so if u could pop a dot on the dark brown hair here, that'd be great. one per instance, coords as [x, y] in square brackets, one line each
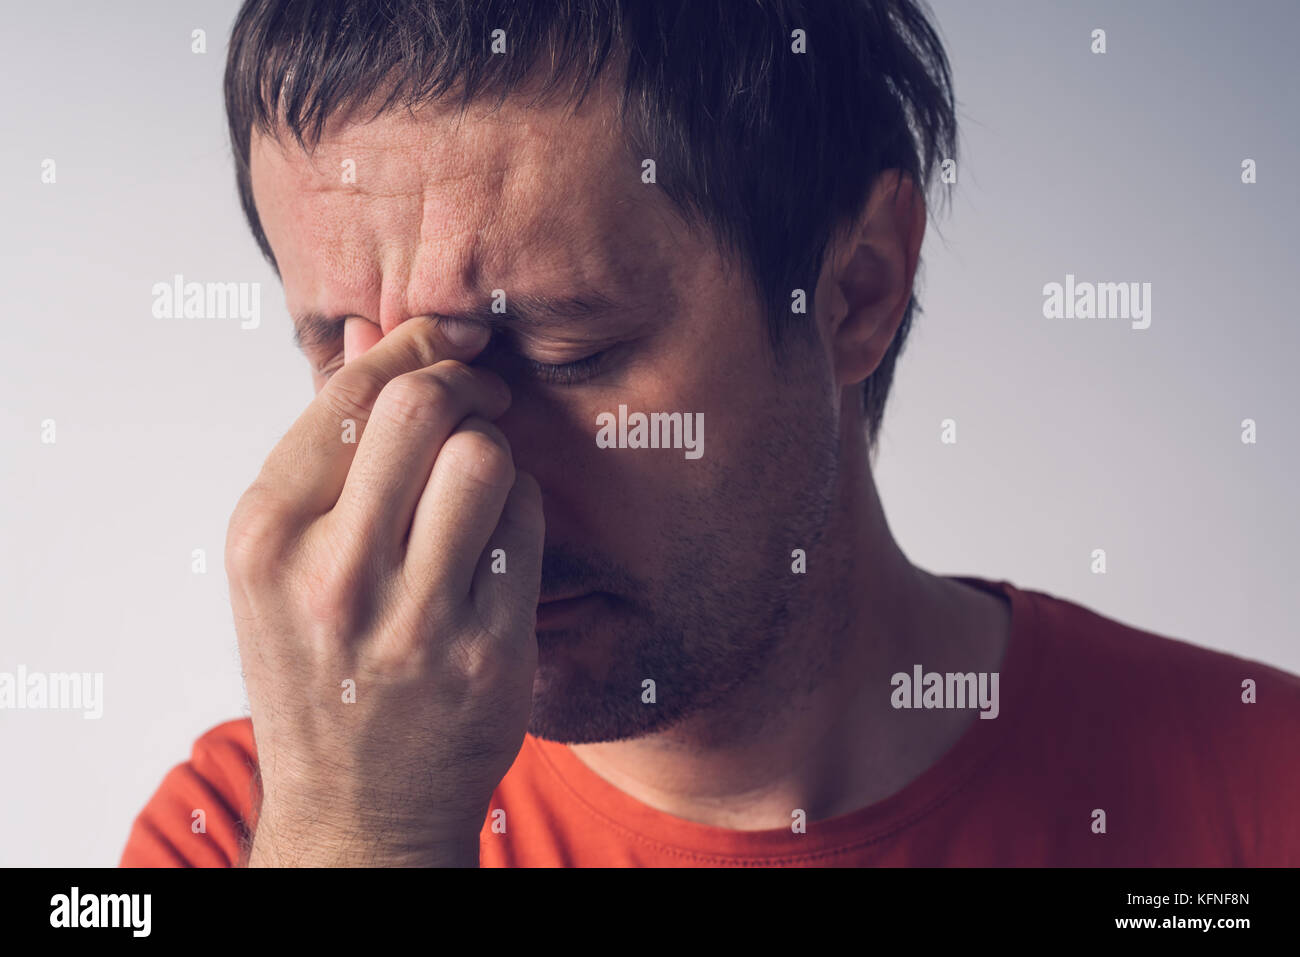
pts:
[773, 150]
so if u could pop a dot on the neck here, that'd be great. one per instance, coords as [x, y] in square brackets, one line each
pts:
[816, 729]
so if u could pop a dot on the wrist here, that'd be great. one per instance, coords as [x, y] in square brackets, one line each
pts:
[279, 842]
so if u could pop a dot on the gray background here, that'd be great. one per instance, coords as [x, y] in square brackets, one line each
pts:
[1073, 435]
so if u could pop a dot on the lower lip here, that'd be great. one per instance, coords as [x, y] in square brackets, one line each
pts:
[557, 614]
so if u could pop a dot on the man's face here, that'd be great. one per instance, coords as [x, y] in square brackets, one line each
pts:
[687, 561]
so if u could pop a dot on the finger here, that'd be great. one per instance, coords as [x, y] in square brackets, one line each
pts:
[458, 510]
[414, 415]
[309, 465]
[508, 581]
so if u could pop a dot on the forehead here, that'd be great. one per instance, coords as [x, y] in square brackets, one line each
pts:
[431, 210]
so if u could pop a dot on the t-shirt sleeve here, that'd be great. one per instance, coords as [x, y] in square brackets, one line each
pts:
[219, 781]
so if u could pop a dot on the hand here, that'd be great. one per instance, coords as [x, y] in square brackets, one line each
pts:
[372, 563]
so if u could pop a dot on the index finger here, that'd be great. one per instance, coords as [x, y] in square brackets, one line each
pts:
[307, 468]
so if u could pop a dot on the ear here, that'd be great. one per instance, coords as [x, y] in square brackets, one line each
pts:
[867, 278]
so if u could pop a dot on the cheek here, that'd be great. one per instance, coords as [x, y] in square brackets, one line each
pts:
[358, 337]
[553, 437]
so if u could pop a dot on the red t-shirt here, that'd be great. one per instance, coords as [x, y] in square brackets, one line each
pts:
[1094, 715]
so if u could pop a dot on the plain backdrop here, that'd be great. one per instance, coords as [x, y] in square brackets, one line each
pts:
[1072, 435]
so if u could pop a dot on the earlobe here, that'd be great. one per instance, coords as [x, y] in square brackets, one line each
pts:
[872, 275]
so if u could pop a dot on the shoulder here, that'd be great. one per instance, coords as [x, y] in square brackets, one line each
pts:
[228, 745]
[1186, 739]
[198, 815]
[225, 757]
[1158, 674]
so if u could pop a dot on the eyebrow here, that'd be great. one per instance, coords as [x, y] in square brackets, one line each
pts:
[313, 328]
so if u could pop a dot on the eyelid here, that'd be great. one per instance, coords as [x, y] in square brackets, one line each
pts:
[570, 373]
[333, 357]
[333, 342]
[332, 365]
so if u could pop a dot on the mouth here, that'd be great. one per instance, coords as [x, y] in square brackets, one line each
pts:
[568, 596]
[561, 610]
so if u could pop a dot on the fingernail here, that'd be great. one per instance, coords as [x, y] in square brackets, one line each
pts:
[466, 335]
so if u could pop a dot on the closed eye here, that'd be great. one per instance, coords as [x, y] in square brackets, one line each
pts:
[505, 352]
[561, 373]
[567, 373]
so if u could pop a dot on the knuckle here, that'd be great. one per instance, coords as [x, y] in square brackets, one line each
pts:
[477, 663]
[415, 337]
[412, 639]
[484, 385]
[427, 594]
[256, 534]
[481, 457]
[452, 371]
[351, 393]
[413, 398]
[332, 591]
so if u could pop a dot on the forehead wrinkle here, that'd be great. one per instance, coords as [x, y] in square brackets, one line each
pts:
[393, 156]
[447, 262]
[560, 246]
[491, 215]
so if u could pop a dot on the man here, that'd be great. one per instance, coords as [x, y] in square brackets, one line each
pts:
[576, 557]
